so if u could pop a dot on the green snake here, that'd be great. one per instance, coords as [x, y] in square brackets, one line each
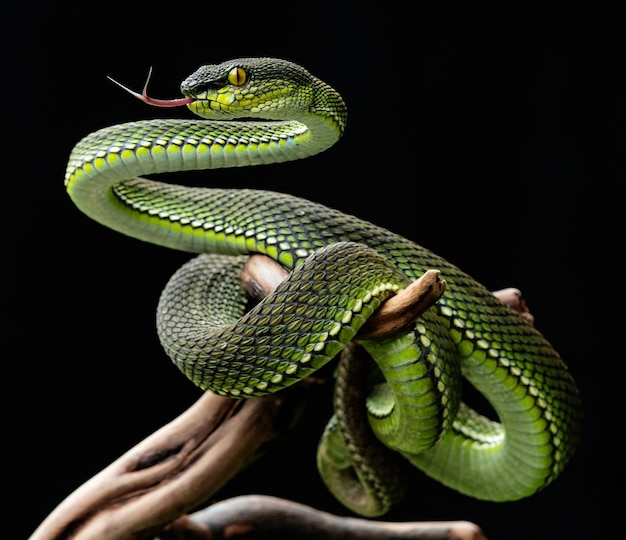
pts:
[257, 111]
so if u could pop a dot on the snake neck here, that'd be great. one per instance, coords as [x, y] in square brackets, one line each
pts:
[329, 107]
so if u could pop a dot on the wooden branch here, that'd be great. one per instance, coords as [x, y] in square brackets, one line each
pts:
[174, 470]
[186, 462]
[261, 275]
[513, 298]
[262, 517]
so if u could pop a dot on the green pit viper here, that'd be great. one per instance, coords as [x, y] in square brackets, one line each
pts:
[257, 111]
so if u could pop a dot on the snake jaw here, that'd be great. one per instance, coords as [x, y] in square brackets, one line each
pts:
[176, 102]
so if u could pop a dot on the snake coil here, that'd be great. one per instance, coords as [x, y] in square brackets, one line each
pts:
[261, 111]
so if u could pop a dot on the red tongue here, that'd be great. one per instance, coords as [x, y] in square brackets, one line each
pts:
[178, 102]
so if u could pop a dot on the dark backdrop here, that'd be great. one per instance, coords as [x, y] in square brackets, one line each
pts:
[499, 160]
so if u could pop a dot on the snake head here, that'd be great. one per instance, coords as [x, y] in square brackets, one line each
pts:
[249, 87]
[262, 88]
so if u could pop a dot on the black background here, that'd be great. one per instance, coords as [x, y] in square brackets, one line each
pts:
[504, 159]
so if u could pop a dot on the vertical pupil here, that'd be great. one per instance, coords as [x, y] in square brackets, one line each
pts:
[237, 76]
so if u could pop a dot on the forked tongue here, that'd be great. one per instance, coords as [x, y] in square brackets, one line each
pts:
[177, 102]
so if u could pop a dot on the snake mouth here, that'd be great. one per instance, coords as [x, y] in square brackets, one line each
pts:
[155, 102]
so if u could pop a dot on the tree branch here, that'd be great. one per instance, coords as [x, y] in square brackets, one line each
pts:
[263, 517]
[187, 461]
[175, 469]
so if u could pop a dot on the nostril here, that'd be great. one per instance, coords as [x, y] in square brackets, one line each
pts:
[203, 79]
[189, 85]
[194, 87]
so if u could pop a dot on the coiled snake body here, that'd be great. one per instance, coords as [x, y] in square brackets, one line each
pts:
[261, 111]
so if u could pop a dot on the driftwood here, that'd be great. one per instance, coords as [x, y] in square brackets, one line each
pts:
[149, 491]
[258, 516]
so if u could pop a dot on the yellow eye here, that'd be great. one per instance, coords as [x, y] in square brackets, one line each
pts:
[237, 76]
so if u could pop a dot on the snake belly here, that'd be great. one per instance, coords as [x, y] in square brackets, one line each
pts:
[256, 111]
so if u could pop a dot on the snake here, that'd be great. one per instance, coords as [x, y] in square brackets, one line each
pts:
[408, 387]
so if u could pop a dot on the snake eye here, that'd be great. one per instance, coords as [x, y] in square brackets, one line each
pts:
[237, 76]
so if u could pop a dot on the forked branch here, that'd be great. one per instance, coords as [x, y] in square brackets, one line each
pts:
[149, 491]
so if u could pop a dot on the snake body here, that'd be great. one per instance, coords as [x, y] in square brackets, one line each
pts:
[261, 111]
